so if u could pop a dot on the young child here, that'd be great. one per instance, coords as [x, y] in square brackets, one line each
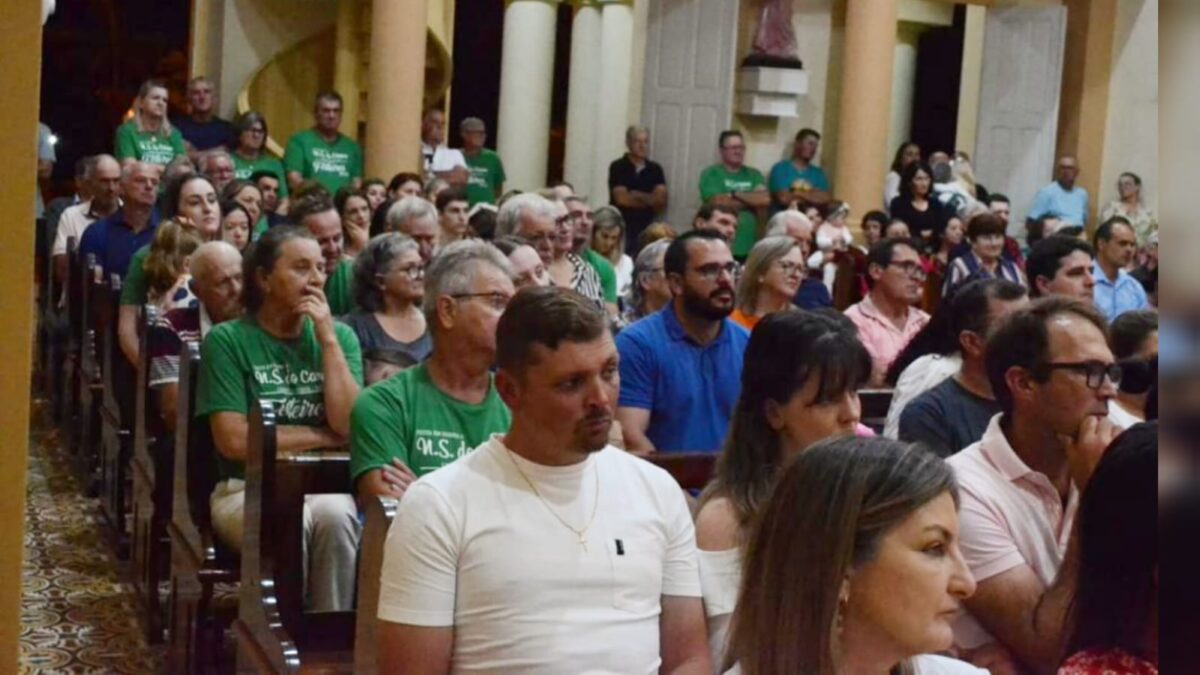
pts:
[833, 237]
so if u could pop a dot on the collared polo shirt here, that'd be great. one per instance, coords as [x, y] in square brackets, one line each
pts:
[1114, 299]
[883, 340]
[1010, 515]
[689, 389]
[114, 243]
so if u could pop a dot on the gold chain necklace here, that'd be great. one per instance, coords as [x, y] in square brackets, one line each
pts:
[581, 534]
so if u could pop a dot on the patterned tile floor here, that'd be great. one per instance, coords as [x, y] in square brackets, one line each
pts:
[78, 613]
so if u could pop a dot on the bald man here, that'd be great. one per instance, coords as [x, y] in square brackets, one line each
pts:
[216, 269]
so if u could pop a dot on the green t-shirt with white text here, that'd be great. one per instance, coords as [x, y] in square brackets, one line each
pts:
[715, 180]
[244, 168]
[487, 177]
[407, 417]
[240, 364]
[334, 165]
[147, 146]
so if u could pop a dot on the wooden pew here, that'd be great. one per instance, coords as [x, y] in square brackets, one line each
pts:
[198, 563]
[116, 419]
[378, 518]
[65, 400]
[151, 471]
[50, 338]
[274, 633]
[85, 430]
[875, 404]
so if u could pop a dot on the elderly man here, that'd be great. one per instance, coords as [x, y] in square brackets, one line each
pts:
[317, 214]
[417, 218]
[581, 245]
[103, 181]
[431, 414]
[886, 319]
[113, 240]
[441, 161]
[216, 270]
[1062, 198]
[532, 218]
[486, 182]
[732, 184]
[322, 153]
[201, 129]
[637, 186]
[217, 165]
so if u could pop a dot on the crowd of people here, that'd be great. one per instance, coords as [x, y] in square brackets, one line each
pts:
[501, 362]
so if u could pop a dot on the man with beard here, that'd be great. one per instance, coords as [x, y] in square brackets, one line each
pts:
[681, 367]
[886, 318]
[545, 550]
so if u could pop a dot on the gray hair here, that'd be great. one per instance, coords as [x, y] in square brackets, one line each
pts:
[453, 270]
[210, 155]
[508, 220]
[410, 208]
[181, 165]
[777, 226]
[472, 123]
[375, 260]
[647, 259]
[208, 254]
[634, 130]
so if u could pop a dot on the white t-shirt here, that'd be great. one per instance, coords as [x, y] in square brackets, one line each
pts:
[441, 158]
[72, 223]
[925, 664]
[474, 548]
[1120, 417]
[919, 377]
[720, 580]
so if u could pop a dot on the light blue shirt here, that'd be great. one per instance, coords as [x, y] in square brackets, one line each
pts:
[1114, 299]
[1069, 206]
[784, 175]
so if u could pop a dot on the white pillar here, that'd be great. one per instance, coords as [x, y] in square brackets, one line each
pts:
[526, 80]
[581, 163]
[616, 67]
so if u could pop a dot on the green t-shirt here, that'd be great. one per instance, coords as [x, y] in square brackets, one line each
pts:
[715, 180]
[150, 147]
[487, 177]
[407, 417]
[604, 270]
[334, 165]
[240, 363]
[244, 168]
[339, 288]
[133, 288]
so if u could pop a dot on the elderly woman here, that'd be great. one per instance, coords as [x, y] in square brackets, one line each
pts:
[1131, 206]
[769, 281]
[986, 260]
[389, 282]
[649, 291]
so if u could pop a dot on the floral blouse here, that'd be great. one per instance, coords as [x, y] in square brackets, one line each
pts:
[1143, 219]
[1106, 662]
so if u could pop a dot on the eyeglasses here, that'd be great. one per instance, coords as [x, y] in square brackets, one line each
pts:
[734, 147]
[497, 301]
[912, 269]
[411, 271]
[564, 219]
[1095, 371]
[789, 268]
[712, 271]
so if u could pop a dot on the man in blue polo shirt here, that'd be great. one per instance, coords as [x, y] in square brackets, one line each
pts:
[1116, 291]
[114, 239]
[681, 367]
[1062, 198]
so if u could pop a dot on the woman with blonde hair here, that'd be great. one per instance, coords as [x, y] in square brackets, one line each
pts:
[608, 239]
[166, 266]
[770, 279]
[148, 136]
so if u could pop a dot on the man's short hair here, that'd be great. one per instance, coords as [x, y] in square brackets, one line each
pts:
[453, 194]
[706, 212]
[675, 260]
[1023, 340]
[199, 79]
[508, 219]
[328, 95]
[1130, 330]
[1105, 231]
[310, 205]
[429, 111]
[471, 124]
[970, 302]
[778, 224]
[996, 197]
[633, 130]
[1045, 258]
[208, 156]
[453, 270]
[408, 209]
[884, 250]
[805, 133]
[263, 173]
[728, 133]
[546, 316]
[985, 224]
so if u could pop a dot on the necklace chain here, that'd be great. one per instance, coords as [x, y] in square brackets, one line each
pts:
[580, 533]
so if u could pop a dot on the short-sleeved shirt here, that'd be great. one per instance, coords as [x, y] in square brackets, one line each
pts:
[134, 291]
[241, 363]
[474, 547]
[947, 418]
[167, 335]
[334, 165]
[211, 134]
[372, 337]
[244, 168]
[151, 147]
[407, 417]
[339, 288]
[785, 177]
[689, 389]
[716, 180]
[1010, 515]
[883, 340]
[812, 294]
[73, 222]
[1069, 206]
[441, 158]
[624, 173]
[113, 243]
[487, 176]
[604, 270]
[1114, 299]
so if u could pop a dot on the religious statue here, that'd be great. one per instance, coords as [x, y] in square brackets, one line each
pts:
[775, 39]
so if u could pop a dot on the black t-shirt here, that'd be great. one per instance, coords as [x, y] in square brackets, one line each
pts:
[931, 220]
[622, 173]
[208, 135]
[946, 418]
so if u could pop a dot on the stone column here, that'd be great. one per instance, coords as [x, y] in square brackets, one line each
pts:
[616, 65]
[345, 62]
[526, 80]
[583, 96]
[396, 87]
[862, 153]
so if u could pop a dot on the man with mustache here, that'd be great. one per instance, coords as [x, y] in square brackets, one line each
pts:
[886, 318]
[545, 550]
[681, 367]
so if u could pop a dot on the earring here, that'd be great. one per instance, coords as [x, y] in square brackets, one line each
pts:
[839, 619]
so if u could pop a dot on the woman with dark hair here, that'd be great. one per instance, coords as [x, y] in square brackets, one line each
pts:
[907, 154]
[235, 225]
[800, 381]
[379, 223]
[1112, 623]
[286, 349]
[375, 190]
[405, 184]
[250, 152]
[917, 207]
[986, 258]
[250, 197]
[874, 223]
[355, 210]
[854, 566]
[389, 283]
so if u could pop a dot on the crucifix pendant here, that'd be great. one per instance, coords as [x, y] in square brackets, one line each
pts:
[583, 541]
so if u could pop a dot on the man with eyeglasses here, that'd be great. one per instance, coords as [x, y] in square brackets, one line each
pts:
[681, 367]
[1053, 375]
[431, 414]
[732, 184]
[887, 319]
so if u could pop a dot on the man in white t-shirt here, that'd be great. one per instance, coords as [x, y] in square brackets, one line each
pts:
[104, 185]
[545, 550]
[439, 160]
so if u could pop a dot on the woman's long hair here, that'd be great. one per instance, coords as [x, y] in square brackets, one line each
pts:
[832, 506]
[786, 349]
[164, 128]
[764, 254]
[910, 174]
[898, 159]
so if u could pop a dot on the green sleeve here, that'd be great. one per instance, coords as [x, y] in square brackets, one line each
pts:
[608, 279]
[758, 179]
[293, 156]
[378, 429]
[711, 183]
[177, 142]
[356, 171]
[277, 167]
[500, 175]
[222, 386]
[133, 290]
[351, 349]
[125, 145]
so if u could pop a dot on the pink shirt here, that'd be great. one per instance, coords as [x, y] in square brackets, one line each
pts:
[883, 340]
[1010, 515]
